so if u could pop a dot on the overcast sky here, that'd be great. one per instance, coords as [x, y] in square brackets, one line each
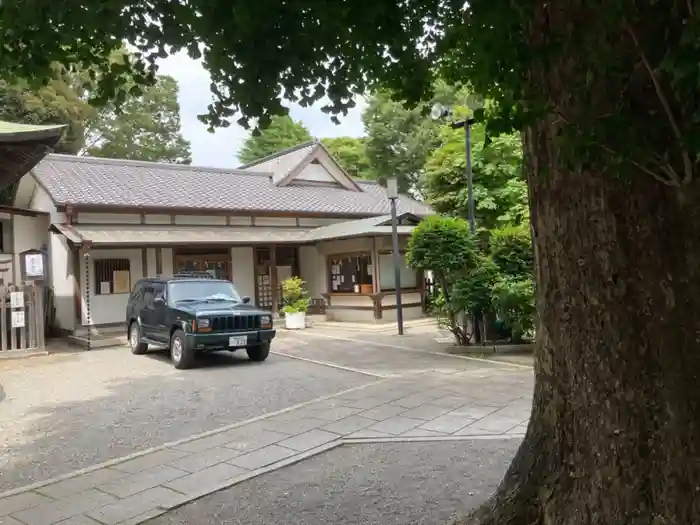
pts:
[219, 149]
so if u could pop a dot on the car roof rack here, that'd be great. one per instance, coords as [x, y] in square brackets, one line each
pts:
[193, 275]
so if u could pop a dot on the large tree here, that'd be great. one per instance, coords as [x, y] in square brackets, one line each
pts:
[400, 138]
[351, 154]
[281, 133]
[500, 190]
[57, 102]
[606, 96]
[145, 127]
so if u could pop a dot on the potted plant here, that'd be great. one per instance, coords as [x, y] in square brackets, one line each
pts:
[295, 301]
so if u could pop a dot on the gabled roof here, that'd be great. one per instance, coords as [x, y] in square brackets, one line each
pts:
[98, 182]
[287, 164]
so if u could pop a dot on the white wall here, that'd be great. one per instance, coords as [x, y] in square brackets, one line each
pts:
[243, 270]
[29, 233]
[289, 222]
[316, 173]
[105, 309]
[157, 219]
[63, 281]
[211, 220]
[166, 258]
[345, 246]
[151, 267]
[108, 218]
[313, 270]
[42, 202]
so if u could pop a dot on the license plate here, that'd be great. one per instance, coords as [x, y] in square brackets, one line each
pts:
[237, 341]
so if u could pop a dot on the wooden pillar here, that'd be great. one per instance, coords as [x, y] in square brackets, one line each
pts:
[273, 279]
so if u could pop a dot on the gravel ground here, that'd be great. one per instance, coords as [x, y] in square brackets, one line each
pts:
[398, 483]
[68, 411]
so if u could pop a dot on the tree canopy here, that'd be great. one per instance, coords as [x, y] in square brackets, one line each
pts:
[500, 191]
[58, 102]
[400, 138]
[282, 133]
[351, 154]
[146, 127]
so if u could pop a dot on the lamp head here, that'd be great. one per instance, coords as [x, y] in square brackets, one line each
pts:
[439, 111]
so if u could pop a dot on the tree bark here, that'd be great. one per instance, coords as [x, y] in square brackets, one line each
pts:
[614, 437]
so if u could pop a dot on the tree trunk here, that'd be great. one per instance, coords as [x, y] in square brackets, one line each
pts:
[614, 437]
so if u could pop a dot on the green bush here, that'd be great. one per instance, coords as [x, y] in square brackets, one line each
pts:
[294, 296]
[514, 301]
[472, 292]
[445, 247]
[511, 251]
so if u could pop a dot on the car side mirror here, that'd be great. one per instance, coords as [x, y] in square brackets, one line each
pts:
[246, 300]
[159, 300]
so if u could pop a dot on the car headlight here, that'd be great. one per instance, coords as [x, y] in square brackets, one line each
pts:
[265, 321]
[203, 323]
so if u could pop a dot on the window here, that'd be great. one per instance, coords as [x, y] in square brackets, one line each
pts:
[112, 276]
[386, 273]
[348, 271]
[213, 291]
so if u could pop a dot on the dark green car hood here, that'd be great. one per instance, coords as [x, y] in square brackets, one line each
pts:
[219, 308]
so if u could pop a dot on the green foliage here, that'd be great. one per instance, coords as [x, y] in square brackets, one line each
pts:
[511, 251]
[630, 99]
[282, 133]
[351, 154]
[500, 193]
[512, 294]
[400, 138]
[514, 301]
[146, 127]
[445, 247]
[473, 291]
[58, 102]
[441, 245]
[294, 296]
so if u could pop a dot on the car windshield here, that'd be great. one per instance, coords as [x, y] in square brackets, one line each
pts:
[203, 291]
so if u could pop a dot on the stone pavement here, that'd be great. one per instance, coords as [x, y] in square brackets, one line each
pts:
[480, 402]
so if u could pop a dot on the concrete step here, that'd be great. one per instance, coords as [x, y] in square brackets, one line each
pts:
[98, 340]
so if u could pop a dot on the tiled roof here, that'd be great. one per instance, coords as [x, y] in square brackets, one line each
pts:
[111, 182]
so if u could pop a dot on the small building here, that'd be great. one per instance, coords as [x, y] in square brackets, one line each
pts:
[111, 222]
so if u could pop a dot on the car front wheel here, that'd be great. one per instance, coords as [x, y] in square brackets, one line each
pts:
[182, 357]
[258, 352]
[137, 347]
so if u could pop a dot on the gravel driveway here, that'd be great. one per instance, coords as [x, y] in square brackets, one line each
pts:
[398, 484]
[67, 411]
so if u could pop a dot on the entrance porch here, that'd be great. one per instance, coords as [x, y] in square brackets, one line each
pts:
[348, 267]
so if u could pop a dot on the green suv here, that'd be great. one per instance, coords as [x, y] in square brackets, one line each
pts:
[191, 314]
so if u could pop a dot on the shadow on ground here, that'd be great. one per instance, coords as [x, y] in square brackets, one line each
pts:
[159, 406]
[398, 483]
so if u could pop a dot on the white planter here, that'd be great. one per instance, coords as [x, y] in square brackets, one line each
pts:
[295, 321]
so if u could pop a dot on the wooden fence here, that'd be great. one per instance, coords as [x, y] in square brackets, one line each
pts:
[22, 317]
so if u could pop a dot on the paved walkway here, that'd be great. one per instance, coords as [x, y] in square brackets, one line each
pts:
[405, 394]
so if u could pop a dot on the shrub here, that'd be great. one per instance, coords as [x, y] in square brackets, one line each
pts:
[445, 247]
[511, 251]
[294, 297]
[514, 301]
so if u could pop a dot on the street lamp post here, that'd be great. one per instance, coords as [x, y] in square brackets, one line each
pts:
[393, 194]
[438, 112]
